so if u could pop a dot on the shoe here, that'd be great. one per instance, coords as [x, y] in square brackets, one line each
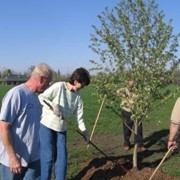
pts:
[142, 148]
[126, 148]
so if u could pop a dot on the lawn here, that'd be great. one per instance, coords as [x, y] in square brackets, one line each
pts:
[3, 90]
[108, 136]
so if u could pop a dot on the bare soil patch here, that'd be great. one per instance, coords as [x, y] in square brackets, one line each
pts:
[118, 165]
[117, 169]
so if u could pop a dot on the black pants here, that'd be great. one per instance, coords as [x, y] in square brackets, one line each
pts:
[127, 132]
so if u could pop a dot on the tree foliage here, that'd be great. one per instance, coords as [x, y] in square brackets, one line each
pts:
[176, 78]
[6, 73]
[135, 42]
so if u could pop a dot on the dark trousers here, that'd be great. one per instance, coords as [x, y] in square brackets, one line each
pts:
[128, 123]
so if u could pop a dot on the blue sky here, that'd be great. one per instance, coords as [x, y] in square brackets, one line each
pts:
[56, 32]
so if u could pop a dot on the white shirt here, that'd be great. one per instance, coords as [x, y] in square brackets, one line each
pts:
[70, 104]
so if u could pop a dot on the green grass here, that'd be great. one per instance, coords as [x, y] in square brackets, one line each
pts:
[155, 128]
[3, 90]
[109, 138]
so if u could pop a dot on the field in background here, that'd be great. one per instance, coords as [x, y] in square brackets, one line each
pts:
[3, 90]
[108, 136]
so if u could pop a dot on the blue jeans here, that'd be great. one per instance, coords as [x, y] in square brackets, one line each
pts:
[32, 172]
[53, 151]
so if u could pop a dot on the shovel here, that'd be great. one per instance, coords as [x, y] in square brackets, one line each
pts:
[90, 142]
[165, 156]
[52, 109]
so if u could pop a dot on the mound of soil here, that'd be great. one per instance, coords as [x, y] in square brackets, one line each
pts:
[117, 165]
[117, 169]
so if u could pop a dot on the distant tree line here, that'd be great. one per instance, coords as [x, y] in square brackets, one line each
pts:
[58, 76]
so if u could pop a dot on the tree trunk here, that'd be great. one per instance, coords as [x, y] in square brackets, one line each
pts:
[135, 146]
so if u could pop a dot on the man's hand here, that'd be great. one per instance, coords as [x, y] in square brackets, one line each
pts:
[5, 136]
[172, 144]
[15, 165]
[86, 136]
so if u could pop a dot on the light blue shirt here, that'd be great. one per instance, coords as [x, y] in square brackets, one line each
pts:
[22, 110]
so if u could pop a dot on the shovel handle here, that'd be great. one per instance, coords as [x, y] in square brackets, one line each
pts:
[48, 104]
[90, 142]
[167, 153]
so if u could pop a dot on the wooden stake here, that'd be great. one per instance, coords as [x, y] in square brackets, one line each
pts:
[97, 119]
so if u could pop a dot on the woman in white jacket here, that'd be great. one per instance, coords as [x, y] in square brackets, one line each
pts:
[60, 101]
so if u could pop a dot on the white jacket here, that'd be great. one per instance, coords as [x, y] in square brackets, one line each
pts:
[70, 104]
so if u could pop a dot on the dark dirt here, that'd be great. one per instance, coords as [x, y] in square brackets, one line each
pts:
[119, 169]
[118, 164]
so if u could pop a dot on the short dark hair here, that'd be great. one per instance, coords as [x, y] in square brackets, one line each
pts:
[81, 75]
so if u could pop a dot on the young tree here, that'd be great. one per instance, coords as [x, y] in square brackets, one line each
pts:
[134, 40]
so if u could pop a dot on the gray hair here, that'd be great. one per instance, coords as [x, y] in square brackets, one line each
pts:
[42, 70]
